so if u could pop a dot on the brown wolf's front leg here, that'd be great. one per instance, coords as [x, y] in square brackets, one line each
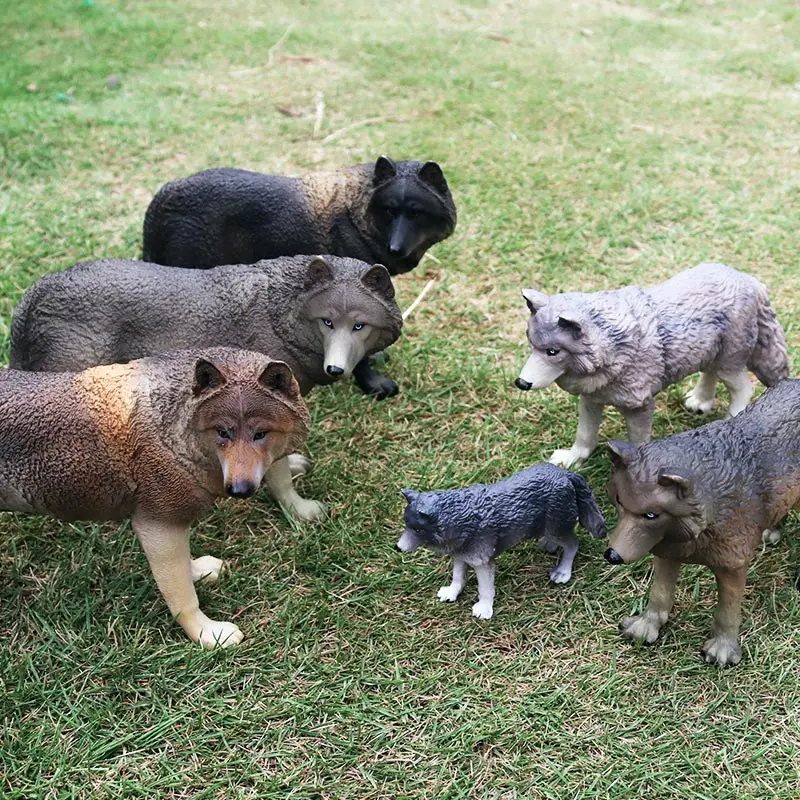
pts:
[646, 627]
[723, 647]
[166, 546]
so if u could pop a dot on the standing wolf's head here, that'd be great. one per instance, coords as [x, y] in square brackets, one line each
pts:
[421, 519]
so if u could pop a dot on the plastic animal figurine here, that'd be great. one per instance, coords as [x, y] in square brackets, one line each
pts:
[707, 496]
[622, 347]
[474, 525]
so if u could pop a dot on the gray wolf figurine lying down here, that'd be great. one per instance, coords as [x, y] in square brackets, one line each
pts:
[474, 525]
[707, 496]
[622, 347]
[156, 440]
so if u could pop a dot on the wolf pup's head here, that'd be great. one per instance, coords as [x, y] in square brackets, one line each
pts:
[353, 310]
[421, 518]
[410, 209]
[654, 504]
[248, 411]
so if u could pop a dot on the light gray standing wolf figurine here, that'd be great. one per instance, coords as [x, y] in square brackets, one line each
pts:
[321, 315]
[474, 525]
[622, 347]
[387, 212]
[156, 440]
[707, 496]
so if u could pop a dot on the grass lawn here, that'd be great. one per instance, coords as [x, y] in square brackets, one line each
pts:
[588, 144]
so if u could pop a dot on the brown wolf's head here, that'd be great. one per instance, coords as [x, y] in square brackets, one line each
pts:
[248, 411]
[654, 504]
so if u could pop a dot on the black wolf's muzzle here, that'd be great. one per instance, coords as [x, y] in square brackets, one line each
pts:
[613, 557]
[521, 383]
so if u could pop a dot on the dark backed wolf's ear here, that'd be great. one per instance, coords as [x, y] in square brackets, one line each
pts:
[378, 280]
[385, 170]
[571, 325]
[318, 272]
[534, 300]
[682, 484]
[622, 453]
[278, 378]
[431, 174]
[409, 494]
[206, 377]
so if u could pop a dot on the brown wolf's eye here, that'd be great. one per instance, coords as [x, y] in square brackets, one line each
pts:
[650, 515]
[259, 435]
[223, 433]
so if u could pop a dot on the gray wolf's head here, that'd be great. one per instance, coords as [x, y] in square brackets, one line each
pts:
[410, 209]
[421, 517]
[654, 503]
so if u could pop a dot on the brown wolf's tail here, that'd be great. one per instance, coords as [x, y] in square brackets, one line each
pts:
[589, 514]
[768, 361]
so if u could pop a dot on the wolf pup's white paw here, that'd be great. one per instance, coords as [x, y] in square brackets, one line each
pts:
[722, 651]
[642, 628]
[299, 464]
[448, 594]
[560, 574]
[206, 569]
[307, 510]
[482, 610]
[220, 634]
[573, 457]
[770, 537]
[698, 404]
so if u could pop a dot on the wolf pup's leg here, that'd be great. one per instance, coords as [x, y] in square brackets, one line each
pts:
[449, 594]
[484, 608]
[562, 571]
[299, 465]
[701, 398]
[589, 416]
[166, 547]
[279, 482]
[639, 422]
[741, 389]
[370, 382]
[646, 627]
[723, 647]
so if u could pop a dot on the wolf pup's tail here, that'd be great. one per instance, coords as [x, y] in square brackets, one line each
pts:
[768, 361]
[589, 514]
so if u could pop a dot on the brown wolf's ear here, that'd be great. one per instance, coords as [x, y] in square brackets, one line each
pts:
[534, 300]
[378, 280]
[278, 377]
[682, 485]
[622, 453]
[571, 325]
[206, 377]
[431, 173]
[318, 272]
[385, 170]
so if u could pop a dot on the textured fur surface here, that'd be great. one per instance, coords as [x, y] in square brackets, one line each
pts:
[156, 440]
[706, 497]
[622, 347]
[102, 312]
[474, 525]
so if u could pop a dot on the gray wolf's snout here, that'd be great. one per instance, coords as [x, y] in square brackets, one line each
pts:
[332, 370]
[613, 557]
[240, 489]
[521, 383]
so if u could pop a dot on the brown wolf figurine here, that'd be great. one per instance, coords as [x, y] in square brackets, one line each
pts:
[156, 440]
[707, 496]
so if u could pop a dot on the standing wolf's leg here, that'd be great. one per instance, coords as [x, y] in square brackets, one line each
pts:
[589, 417]
[279, 482]
[449, 594]
[741, 389]
[639, 422]
[646, 627]
[484, 608]
[701, 398]
[562, 571]
[166, 547]
[370, 382]
[723, 647]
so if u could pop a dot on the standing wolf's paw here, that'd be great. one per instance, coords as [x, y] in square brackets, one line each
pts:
[642, 628]
[448, 594]
[699, 404]
[206, 569]
[560, 574]
[299, 464]
[722, 651]
[220, 634]
[573, 457]
[307, 510]
[482, 610]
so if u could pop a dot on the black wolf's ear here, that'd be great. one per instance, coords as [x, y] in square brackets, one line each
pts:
[571, 325]
[378, 280]
[682, 485]
[318, 272]
[206, 377]
[534, 300]
[385, 170]
[622, 453]
[278, 377]
[431, 173]
[409, 494]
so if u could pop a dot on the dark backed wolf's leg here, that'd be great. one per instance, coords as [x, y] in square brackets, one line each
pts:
[646, 627]
[723, 647]
[370, 382]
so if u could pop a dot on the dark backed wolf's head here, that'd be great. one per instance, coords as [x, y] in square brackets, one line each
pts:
[421, 518]
[410, 209]
[655, 503]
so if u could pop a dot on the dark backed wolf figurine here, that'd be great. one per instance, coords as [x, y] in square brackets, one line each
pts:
[707, 496]
[474, 525]
[387, 212]
[319, 315]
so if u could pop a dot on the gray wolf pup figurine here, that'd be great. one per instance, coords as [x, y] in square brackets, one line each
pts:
[319, 315]
[387, 212]
[622, 347]
[156, 440]
[474, 525]
[707, 496]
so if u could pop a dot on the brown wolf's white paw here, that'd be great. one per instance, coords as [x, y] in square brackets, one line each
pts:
[448, 594]
[698, 404]
[641, 628]
[573, 457]
[482, 610]
[771, 537]
[722, 651]
[299, 464]
[206, 569]
[220, 634]
[307, 510]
